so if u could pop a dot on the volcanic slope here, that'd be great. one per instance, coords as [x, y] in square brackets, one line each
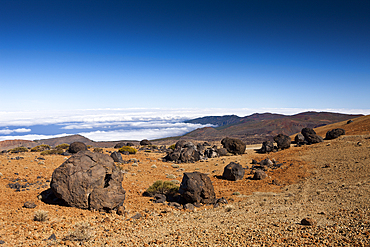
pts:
[257, 128]
[328, 182]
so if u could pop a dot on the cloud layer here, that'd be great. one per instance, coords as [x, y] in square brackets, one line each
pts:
[120, 124]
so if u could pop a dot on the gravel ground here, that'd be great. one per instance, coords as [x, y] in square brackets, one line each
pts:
[332, 192]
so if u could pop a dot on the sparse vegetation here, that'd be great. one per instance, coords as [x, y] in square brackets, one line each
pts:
[52, 151]
[18, 150]
[162, 187]
[40, 148]
[172, 146]
[82, 232]
[41, 215]
[236, 193]
[129, 149]
[62, 146]
[98, 150]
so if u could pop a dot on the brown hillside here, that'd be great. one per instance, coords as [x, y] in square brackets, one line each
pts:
[359, 126]
[8, 144]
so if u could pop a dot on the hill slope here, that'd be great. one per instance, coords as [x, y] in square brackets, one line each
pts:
[257, 128]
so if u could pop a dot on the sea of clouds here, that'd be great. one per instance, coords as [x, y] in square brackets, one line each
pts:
[119, 124]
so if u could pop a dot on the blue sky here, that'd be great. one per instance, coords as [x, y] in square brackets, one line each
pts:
[61, 55]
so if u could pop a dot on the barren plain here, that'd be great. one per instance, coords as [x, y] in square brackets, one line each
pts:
[328, 183]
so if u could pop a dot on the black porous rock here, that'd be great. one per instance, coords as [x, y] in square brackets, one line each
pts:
[119, 145]
[299, 138]
[116, 156]
[76, 147]
[267, 147]
[89, 181]
[259, 175]
[310, 136]
[334, 133]
[233, 145]
[145, 142]
[197, 188]
[283, 141]
[233, 172]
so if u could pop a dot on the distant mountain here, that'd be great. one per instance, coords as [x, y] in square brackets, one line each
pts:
[257, 128]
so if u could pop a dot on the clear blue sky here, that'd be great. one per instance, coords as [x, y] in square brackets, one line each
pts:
[181, 54]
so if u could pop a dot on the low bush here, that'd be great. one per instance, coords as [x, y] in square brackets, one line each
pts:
[82, 232]
[162, 187]
[131, 150]
[62, 146]
[98, 150]
[52, 151]
[172, 146]
[40, 215]
[40, 148]
[18, 150]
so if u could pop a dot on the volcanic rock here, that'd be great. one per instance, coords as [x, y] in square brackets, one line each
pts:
[259, 175]
[334, 133]
[267, 147]
[145, 142]
[116, 156]
[197, 188]
[233, 171]
[283, 141]
[310, 136]
[233, 145]
[89, 181]
[75, 147]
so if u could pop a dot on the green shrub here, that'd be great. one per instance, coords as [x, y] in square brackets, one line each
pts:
[172, 146]
[62, 146]
[98, 150]
[18, 150]
[162, 187]
[131, 150]
[52, 151]
[40, 148]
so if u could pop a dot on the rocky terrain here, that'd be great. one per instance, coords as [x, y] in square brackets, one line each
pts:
[317, 196]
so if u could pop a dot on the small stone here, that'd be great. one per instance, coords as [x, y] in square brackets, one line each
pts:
[29, 204]
[52, 237]
[189, 206]
[308, 222]
[136, 216]
[121, 210]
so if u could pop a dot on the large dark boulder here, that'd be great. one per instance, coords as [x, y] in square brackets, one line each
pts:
[267, 147]
[117, 157]
[334, 133]
[283, 141]
[310, 136]
[189, 154]
[299, 138]
[89, 181]
[76, 147]
[233, 171]
[233, 145]
[197, 188]
[145, 142]
[119, 145]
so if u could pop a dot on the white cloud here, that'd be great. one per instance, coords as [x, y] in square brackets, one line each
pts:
[94, 117]
[31, 137]
[8, 131]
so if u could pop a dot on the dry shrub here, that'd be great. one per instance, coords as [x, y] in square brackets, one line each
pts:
[82, 232]
[41, 215]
